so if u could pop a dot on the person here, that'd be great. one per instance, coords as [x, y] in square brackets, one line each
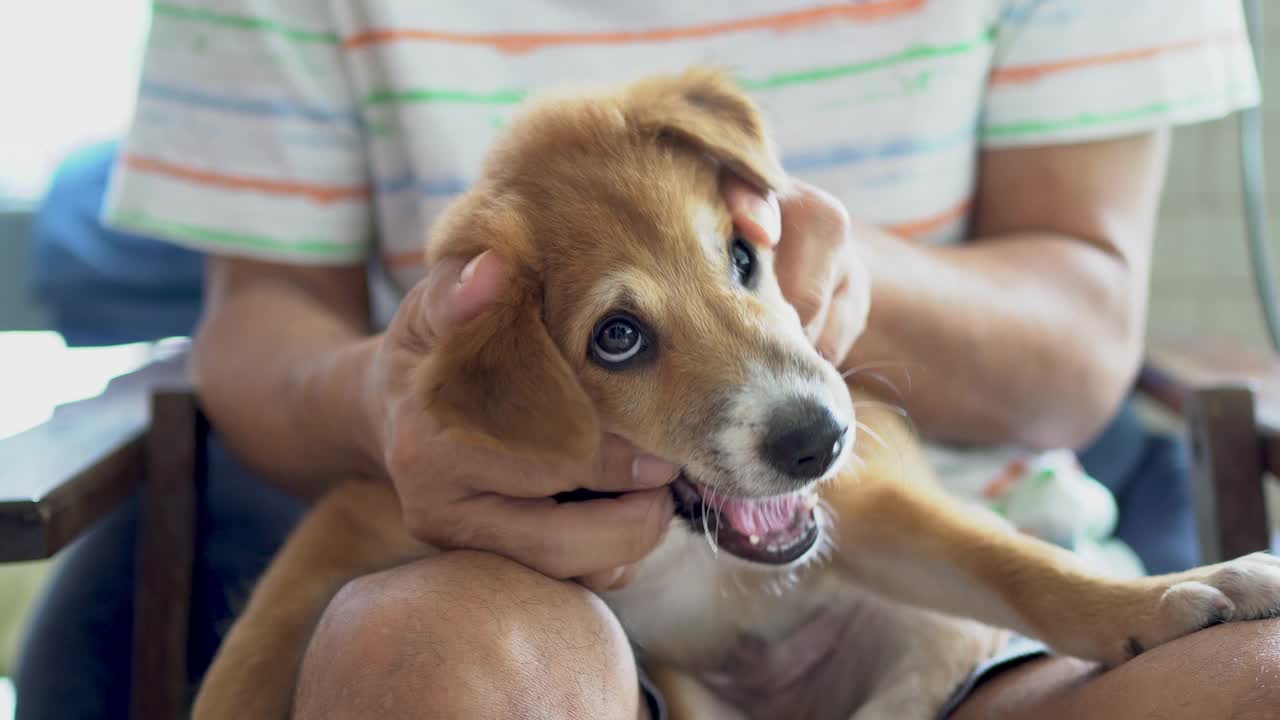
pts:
[989, 170]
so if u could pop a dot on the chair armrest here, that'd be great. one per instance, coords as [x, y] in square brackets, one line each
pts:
[1177, 367]
[58, 478]
[1229, 458]
[1229, 397]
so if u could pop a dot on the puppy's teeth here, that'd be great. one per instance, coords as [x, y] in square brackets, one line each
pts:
[754, 539]
[811, 502]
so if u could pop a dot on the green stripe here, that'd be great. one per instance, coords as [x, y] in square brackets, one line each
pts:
[911, 54]
[803, 77]
[243, 22]
[427, 95]
[1087, 120]
[182, 231]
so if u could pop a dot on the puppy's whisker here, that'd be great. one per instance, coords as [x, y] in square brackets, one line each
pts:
[902, 465]
[872, 434]
[877, 365]
[896, 409]
[862, 464]
[905, 367]
[706, 532]
[889, 384]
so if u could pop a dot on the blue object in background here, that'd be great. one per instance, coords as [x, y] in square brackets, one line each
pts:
[101, 286]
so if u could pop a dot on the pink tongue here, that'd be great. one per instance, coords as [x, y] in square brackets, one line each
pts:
[766, 516]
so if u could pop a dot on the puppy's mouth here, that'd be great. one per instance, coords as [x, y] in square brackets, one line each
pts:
[774, 530]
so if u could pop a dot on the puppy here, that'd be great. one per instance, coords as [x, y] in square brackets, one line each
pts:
[634, 309]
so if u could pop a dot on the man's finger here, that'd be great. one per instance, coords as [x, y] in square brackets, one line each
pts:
[620, 468]
[815, 228]
[616, 467]
[567, 540]
[806, 275]
[610, 580]
[755, 215]
[458, 289]
[844, 323]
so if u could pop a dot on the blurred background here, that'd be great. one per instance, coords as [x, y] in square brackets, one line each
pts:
[72, 88]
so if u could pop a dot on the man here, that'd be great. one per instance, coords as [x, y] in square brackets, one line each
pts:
[990, 173]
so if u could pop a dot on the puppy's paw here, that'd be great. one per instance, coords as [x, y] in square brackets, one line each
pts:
[1244, 589]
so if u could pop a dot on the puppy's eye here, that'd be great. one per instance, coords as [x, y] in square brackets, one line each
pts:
[618, 339]
[744, 260]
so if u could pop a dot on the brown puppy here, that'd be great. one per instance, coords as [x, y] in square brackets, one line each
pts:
[634, 310]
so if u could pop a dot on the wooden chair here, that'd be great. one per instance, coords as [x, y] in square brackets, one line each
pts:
[145, 434]
[1230, 400]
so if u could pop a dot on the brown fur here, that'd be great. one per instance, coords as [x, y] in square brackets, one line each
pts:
[624, 185]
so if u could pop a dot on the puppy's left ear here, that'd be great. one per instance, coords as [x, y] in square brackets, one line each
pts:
[704, 108]
[500, 377]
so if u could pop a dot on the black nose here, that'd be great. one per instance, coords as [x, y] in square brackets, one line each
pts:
[803, 439]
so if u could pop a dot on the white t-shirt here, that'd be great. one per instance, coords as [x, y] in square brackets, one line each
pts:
[333, 131]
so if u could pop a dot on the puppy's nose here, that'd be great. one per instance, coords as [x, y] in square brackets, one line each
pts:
[803, 439]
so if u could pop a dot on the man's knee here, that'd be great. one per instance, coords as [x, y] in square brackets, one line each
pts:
[467, 634]
[1227, 671]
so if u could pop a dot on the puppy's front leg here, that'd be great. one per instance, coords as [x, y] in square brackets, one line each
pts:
[913, 543]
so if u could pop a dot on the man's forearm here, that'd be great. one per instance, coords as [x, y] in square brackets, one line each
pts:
[283, 380]
[1040, 336]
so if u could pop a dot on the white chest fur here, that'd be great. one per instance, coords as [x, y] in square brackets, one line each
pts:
[690, 604]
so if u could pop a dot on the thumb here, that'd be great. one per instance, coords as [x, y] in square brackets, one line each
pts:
[756, 216]
[459, 289]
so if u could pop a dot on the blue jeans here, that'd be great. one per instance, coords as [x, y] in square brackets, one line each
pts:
[74, 664]
[1150, 475]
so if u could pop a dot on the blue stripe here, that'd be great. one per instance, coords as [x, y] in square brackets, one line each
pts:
[795, 162]
[406, 181]
[853, 154]
[249, 106]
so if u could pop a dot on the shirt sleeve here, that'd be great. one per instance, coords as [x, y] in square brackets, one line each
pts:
[245, 140]
[1078, 70]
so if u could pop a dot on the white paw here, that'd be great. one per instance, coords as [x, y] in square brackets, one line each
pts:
[1244, 589]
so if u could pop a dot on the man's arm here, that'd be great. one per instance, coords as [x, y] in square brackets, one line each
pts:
[280, 358]
[1033, 332]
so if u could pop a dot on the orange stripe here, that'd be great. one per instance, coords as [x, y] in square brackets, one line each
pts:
[930, 225]
[1028, 73]
[405, 259]
[520, 43]
[323, 194]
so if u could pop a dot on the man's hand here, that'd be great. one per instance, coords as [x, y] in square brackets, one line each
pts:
[817, 260]
[1042, 308]
[457, 496]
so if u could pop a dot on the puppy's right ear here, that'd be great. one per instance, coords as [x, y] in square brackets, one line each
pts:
[500, 377]
[704, 108]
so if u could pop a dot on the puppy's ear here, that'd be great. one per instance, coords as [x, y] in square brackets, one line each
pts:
[501, 378]
[705, 108]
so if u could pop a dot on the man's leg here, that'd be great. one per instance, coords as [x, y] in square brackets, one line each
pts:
[1227, 671]
[468, 635]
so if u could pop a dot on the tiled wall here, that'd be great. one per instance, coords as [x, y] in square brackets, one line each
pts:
[1201, 282]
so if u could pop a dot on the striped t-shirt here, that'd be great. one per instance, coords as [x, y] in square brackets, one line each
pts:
[331, 131]
[334, 131]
